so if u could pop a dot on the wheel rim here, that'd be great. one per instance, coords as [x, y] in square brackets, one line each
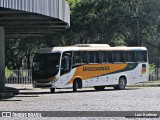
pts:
[122, 83]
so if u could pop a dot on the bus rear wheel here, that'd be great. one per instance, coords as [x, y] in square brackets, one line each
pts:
[99, 88]
[121, 85]
[52, 90]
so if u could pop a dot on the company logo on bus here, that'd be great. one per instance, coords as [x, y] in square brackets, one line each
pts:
[96, 68]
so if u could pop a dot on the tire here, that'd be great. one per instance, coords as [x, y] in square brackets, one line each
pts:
[121, 85]
[115, 87]
[99, 88]
[75, 85]
[52, 90]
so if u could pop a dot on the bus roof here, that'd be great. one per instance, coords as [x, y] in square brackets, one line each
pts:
[91, 45]
[89, 48]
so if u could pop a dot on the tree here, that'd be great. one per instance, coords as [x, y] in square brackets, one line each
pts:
[18, 49]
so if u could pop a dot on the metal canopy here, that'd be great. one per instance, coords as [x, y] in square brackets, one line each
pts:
[22, 18]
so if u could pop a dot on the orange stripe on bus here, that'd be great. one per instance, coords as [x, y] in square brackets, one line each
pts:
[90, 71]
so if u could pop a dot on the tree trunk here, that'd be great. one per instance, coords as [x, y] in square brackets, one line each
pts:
[28, 62]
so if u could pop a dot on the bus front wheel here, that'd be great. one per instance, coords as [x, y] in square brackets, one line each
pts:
[75, 85]
[121, 85]
[52, 90]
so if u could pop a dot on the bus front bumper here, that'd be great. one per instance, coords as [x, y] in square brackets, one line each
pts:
[44, 85]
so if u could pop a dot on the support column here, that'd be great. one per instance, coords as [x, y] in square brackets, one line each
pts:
[2, 60]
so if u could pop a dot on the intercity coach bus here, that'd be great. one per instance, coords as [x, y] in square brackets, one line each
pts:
[89, 65]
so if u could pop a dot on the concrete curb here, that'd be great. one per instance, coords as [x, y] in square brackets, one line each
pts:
[146, 84]
[8, 93]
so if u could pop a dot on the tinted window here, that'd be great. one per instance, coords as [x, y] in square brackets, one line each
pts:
[106, 57]
[93, 57]
[141, 56]
[118, 56]
[77, 57]
[129, 56]
[83, 57]
[46, 62]
[144, 56]
[66, 62]
[45, 65]
[80, 57]
[67, 55]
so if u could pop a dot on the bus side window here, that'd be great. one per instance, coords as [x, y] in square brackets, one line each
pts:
[144, 56]
[90, 56]
[118, 56]
[96, 57]
[83, 57]
[103, 57]
[66, 62]
[77, 58]
[129, 56]
[138, 56]
[80, 57]
[141, 56]
[106, 57]
[93, 57]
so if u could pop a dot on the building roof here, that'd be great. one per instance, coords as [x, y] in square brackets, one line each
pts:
[34, 17]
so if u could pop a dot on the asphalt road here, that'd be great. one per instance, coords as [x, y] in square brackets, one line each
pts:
[87, 99]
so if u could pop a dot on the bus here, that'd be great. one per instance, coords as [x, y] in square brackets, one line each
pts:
[89, 65]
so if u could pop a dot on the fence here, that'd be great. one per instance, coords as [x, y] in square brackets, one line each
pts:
[18, 77]
[155, 75]
[25, 76]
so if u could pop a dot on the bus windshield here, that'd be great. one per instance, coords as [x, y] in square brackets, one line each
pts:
[46, 64]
